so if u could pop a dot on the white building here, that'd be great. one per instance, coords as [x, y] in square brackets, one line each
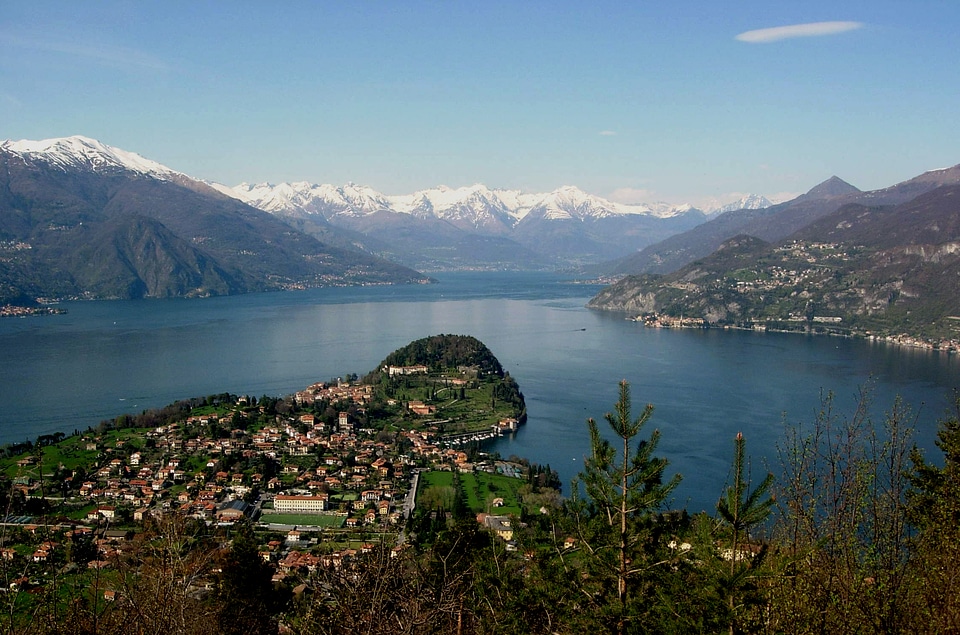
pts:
[300, 504]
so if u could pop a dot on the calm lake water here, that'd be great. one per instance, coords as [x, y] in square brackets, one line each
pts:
[103, 359]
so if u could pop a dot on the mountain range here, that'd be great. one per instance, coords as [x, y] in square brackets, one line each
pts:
[771, 223]
[476, 227]
[81, 219]
[838, 259]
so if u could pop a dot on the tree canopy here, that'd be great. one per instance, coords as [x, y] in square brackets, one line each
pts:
[440, 352]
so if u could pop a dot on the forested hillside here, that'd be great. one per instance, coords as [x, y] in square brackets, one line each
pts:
[440, 352]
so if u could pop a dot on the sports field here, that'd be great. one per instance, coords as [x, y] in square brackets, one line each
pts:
[312, 520]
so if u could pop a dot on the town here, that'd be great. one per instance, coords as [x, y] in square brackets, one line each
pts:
[803, 286]
[320, 475]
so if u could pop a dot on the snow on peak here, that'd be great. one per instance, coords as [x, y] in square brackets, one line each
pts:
[473, 205]
[307, 198]
[85, 153]
[569, 202]
[750, 201]
[470, 204]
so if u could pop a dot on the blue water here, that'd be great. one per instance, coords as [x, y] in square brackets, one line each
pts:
[103, 359]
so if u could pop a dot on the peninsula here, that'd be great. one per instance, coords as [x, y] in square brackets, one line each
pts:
[318, 474]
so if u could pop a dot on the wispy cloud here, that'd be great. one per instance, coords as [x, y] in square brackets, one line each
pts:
[103, 54]
[811, 29]
[607, 133]
[6, 99]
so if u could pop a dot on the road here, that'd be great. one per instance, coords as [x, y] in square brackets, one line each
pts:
[409, 502]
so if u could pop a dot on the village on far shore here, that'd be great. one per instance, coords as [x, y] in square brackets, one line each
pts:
[820, 325]
[320, 475]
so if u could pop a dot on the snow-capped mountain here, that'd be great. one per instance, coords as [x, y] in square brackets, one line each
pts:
[572, 203]
[83, 153]
[304, 198]
[89, 220]
[750, 201]
[474, 205]
[436, 228]
[567, 225]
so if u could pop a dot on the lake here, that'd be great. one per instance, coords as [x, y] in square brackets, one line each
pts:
[106, 358]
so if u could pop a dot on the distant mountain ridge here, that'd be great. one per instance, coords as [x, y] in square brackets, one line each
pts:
[440, 228]
[82, 219]
[772, 223]
[872, 266]
[442, 202]
[510, 228]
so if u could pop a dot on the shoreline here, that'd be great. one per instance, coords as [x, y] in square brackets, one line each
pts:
[948, 346]
[13, 310]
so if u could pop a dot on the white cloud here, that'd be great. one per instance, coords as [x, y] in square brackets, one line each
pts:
[812, 29]
[7, 99]
[631, 195]
[103, 54]
[607, 133]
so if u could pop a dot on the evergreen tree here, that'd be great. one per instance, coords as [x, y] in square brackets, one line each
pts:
[617, 525]
[245, 598]
[741, 509]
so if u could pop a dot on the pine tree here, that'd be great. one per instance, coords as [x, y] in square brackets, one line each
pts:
[742, 509]
[246, 599]
[617, 522]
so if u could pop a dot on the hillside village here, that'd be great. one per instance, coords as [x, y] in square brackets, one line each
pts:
[315, 473]
[801, 285]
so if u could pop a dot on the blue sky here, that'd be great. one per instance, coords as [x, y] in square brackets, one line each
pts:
[631, 100]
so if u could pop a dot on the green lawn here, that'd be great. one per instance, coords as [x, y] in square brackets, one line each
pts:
[79, 513]
[436, 479]
[479, 490]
